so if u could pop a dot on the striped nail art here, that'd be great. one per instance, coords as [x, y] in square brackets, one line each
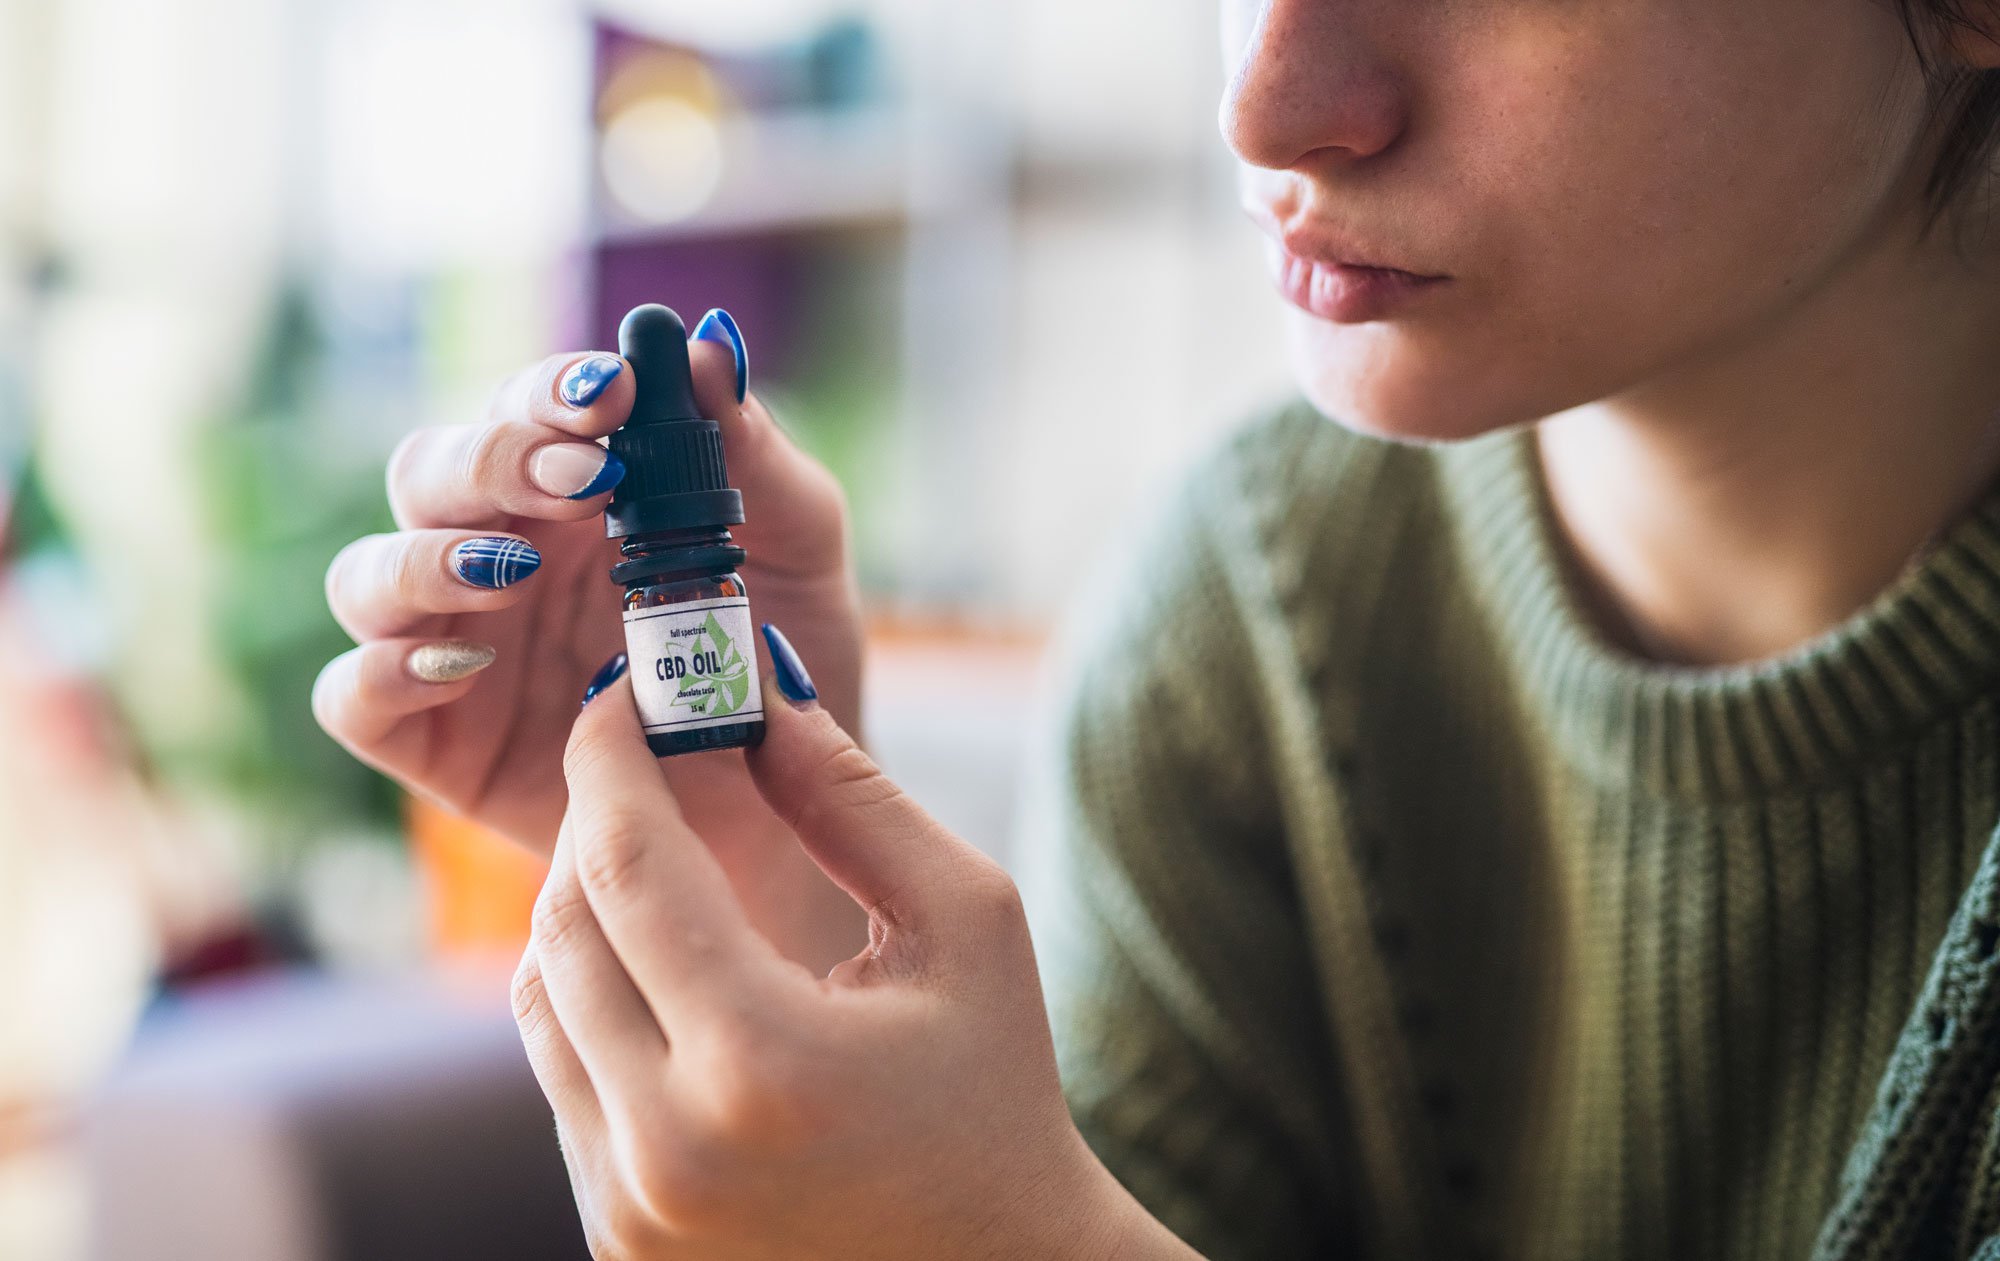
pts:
[494, 563]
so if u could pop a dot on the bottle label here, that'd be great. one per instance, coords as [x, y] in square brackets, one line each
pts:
[693, 665]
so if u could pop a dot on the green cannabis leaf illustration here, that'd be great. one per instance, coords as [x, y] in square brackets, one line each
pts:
[732, 682]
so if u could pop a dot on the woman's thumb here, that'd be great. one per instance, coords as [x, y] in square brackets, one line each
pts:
[868, 836]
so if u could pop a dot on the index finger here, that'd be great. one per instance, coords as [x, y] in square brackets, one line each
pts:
[665, 905]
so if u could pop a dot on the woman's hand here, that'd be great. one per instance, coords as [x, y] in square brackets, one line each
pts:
[488, 742]
[717, 1101]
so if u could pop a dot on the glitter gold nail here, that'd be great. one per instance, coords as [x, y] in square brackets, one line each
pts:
[449, 660]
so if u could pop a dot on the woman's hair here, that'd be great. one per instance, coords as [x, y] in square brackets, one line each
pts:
[1964, 103]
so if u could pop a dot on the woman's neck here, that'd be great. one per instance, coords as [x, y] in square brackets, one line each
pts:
[1760, 493]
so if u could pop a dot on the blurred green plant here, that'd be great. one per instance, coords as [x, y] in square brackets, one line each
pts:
[283, 499]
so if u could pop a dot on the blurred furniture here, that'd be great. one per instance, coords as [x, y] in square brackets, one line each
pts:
[304, 1117]
[844, 189]
[947, 713]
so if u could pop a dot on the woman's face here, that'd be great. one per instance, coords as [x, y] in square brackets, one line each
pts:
[1611, 187]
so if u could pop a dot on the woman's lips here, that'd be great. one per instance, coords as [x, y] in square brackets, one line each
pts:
[1344, 294]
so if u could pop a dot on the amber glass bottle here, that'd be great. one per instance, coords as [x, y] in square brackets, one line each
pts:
[687, 614]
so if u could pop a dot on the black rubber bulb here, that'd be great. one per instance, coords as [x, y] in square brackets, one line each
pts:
[675, 475]
[654, 341]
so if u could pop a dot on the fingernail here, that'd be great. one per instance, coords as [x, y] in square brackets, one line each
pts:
[575, 470]
[606, 675]
[448, 660]
[789, 671]
[587, 378]
[494, 563]
[719, 326]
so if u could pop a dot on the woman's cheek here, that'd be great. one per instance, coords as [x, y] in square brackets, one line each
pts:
[1529, 197]
[1613, 197]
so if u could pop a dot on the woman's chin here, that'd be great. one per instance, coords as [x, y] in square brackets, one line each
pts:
[1426, 383]
[1416, 412]
[1375, 380]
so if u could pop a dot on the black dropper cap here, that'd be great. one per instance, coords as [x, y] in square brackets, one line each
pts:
[674, 475]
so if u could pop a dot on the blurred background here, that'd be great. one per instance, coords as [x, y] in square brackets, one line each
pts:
[988, 264]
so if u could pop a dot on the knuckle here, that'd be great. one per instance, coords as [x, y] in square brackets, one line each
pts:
[559, 915]
[342, 572]
[488, 457]
[506, 395]
[397, 472]
[336, 572]
[622, 1228]
[831, 493]
[686, 1181]
[818, 490]
[610, 852]
[583, 758]
[994, 895]
[399, 570]
[768, 1091]
[533, 1015]
[329, 692]
[845, 779]
[849, 770]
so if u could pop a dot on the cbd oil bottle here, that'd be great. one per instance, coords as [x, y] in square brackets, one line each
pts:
[687, 614]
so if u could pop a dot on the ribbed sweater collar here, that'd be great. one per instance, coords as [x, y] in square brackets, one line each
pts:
[1923, 651]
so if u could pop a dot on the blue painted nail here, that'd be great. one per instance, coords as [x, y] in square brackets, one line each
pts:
[494, 563]
[609, 474]
[587, 378]
[606, 675]
[789, 671]
[719, 326]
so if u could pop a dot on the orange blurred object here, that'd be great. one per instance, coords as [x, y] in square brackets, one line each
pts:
[479, 887]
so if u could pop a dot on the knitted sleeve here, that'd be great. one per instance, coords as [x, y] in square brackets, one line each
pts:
[1172, 945]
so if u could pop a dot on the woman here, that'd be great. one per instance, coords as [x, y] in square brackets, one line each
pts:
[1544, 813]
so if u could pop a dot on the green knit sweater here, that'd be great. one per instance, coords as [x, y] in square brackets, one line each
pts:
[1389, 911]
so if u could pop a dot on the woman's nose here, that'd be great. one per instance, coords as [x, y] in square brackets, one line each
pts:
[1308, 79]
